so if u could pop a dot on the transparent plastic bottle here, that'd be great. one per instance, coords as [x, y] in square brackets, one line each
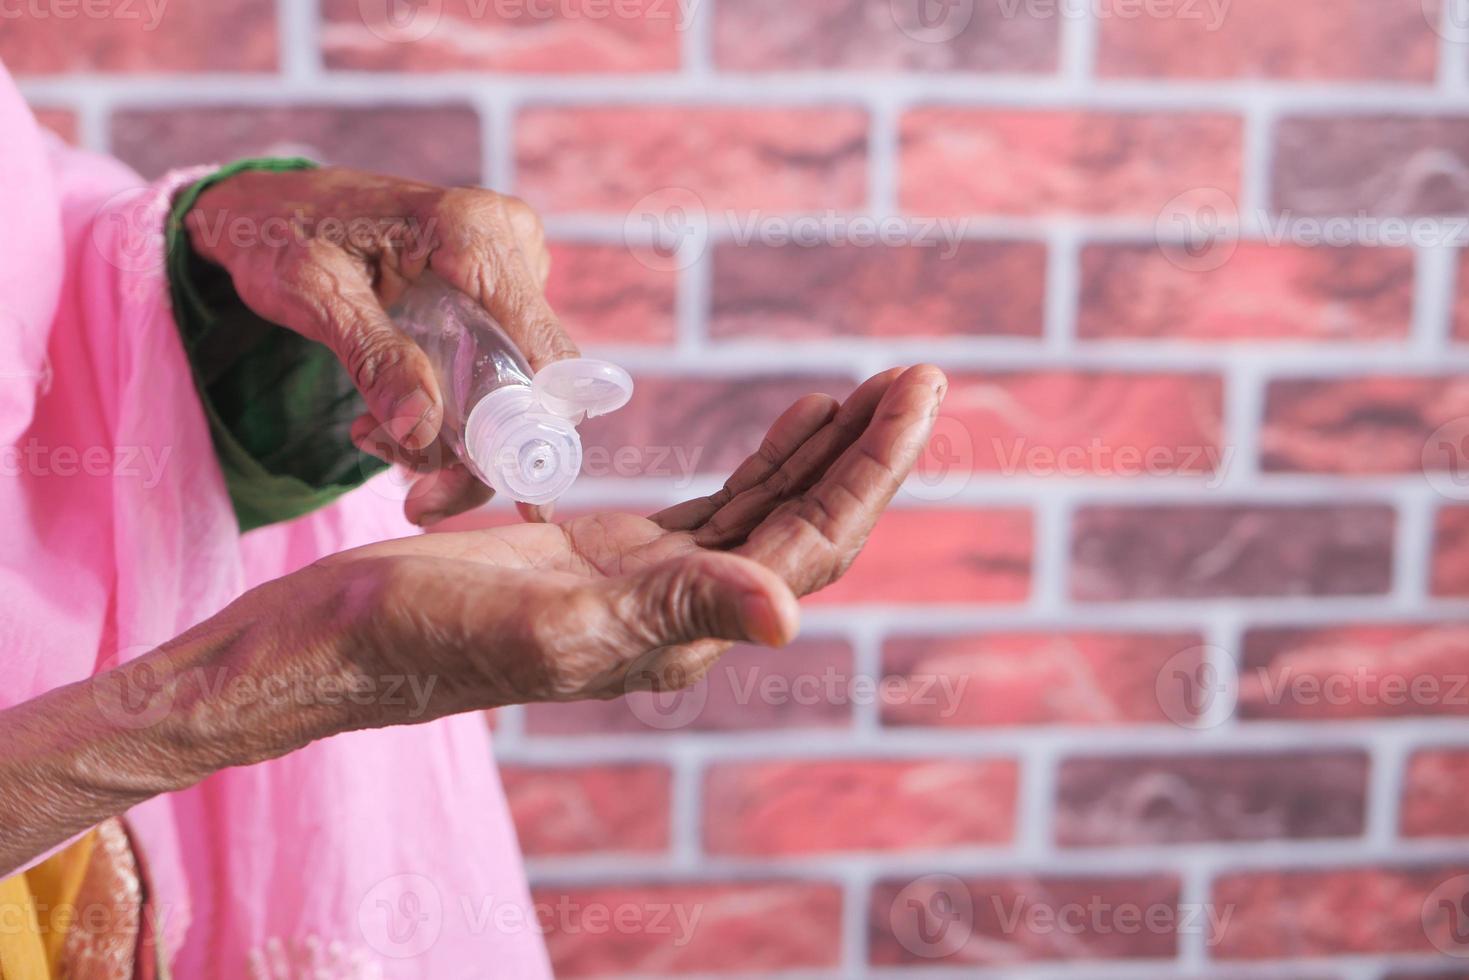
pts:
[514, 430]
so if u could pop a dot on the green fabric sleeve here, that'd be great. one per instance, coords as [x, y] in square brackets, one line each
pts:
[280, 407]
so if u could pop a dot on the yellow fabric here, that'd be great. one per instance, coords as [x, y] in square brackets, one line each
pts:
[35, 912]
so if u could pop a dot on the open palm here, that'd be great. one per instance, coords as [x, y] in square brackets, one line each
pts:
[602, 605]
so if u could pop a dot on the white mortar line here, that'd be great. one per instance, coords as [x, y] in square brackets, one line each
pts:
[299, 28]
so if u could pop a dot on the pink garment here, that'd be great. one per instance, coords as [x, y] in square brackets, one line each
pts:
[374, 854]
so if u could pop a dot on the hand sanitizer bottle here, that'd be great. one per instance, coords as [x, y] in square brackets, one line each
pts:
[513, 430]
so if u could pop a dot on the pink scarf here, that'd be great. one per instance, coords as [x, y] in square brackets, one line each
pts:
[375, 854]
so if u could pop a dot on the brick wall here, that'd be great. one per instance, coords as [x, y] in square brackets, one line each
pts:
[1159, 670]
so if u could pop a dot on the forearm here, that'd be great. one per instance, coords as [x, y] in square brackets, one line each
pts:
[82, 753]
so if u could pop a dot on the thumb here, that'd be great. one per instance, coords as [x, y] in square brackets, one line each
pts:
[706, 596]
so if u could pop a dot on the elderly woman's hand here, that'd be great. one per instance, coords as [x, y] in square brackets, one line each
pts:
[331, 249]
[411, 630]
[592, 608]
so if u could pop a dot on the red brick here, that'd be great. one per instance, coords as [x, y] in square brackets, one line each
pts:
[1085, 423]
[580, 809]
[1039, 162]
[1039, 678]
[607, 158]
[146, 38]
[1371, 165]
[568, 37]
[1199, 552]
[809, 685]
[940, 556]
[1433, 794]
[800, 807]
[672, 929]
[62, 122]
[1359, 671]
[1176, 799]
[604, 295]
[1461, 305]
[1013, 920]
[772, 35]
[678, 426]
[1366, 40]
[1365, 425]
[793, 292]
[1303, 914]
[1451, 552]
[1262, 293]
[439, 143]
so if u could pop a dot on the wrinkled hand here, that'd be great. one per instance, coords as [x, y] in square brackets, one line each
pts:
[325, 252]
[603, 605]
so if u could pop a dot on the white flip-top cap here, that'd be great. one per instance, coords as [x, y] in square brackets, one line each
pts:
[581, 388]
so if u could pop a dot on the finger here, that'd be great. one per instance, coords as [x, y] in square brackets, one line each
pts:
[797, 424]
[811, 541]
[483, 258]
[392, 372]
[372, 437]
[444, 493]
[732, 522]
[704, 596]
[530, 235]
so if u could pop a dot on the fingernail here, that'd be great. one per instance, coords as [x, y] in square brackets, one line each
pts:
[408, 416]
[431, 518]
[762, 622]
